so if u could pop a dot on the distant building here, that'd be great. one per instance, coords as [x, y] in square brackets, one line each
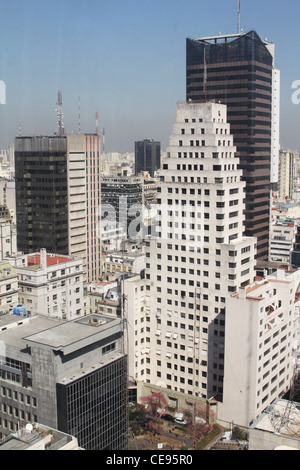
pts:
[286, 174]
[8, 287]
[122, 204]
[50, 285]
[8, 239]
[282, 238]
[147, 156]
[70, 376]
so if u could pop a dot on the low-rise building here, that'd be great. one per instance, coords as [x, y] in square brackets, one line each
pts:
[68, 375]
[50, 284]
[259, 336]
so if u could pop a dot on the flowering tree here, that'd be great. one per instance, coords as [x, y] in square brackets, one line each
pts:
[198, 419]
[155, 405]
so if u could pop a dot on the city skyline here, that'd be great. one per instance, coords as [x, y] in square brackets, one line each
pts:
[125, 60]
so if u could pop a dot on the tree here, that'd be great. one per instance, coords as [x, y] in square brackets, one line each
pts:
[198, 419]
[155, 405]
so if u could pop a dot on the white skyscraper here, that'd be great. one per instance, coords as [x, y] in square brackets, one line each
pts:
[198, 256]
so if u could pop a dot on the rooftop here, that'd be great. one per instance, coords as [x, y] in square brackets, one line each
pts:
[35, 259]
[38, 437]
[56, 334]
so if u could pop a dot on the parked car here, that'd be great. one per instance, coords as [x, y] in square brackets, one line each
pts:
[168, 417]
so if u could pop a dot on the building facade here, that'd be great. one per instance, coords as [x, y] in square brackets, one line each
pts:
[122, 204]
[238, 70]
[258, 341]
[198, 256]
[147, 156]
[286, 175]
[70, 376]
[9, 287]
[58, 197]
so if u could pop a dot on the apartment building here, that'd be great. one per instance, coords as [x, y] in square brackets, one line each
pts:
[50, 285]
[198, 256]
[68, 375]
[258, 342]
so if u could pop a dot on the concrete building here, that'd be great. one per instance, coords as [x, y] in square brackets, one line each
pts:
[58, 197]
[50, 285]
[199, 256]
[119, 262]
[285, 175]
[259, 334]
[70, 376]
[8, 239]
[239, 70]
[282, 238]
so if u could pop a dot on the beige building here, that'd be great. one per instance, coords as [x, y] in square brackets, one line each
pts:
[8, 287]
[259, 336]
[286, 174]
[50, 285]
[84, 201]
[198, 257]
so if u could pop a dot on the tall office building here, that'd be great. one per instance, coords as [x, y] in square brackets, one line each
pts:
[147, 156]
[198, 257]
[238, 70]
[58, 197]
[71, 376]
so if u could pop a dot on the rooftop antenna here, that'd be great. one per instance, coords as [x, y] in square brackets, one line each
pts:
[104, 147]
[60, 115]
[239, 17]
[97, 128]
[79, 128]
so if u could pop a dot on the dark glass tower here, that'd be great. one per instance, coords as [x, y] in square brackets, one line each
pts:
[237, 71]
[147, 156]
[41, 194]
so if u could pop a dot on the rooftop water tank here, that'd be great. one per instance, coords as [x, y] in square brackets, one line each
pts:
[19, 310]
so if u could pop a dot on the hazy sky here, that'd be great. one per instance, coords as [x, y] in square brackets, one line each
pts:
[125, 59]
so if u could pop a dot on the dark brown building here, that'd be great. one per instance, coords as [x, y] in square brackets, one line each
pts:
[237, 71]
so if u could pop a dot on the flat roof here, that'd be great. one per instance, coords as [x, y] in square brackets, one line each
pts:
[51, 259]
[56, 334]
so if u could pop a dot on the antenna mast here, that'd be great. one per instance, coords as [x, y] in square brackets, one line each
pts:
[60, 115]
[239, 17]
[79, 129]
[97, 127]
[104, 148]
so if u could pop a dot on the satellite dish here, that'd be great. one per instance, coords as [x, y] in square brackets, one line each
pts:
[29, 428]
